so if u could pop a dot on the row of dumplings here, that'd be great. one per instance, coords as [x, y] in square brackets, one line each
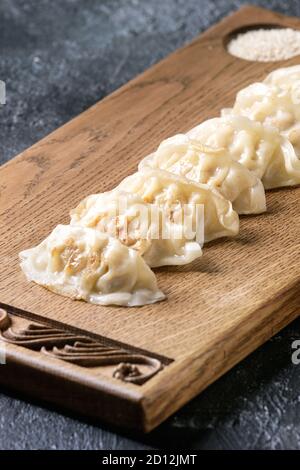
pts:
[224, 165]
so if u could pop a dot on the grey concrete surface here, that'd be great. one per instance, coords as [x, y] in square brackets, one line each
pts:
[58, 58]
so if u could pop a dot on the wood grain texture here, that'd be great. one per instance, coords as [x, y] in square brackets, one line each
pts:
[219, 308]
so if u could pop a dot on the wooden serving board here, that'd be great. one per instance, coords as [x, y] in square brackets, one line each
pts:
[219, 309]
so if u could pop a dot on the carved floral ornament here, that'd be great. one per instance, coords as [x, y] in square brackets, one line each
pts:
[79, 350]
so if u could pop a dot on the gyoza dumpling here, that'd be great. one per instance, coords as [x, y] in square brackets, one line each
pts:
[187, 157]
[274, 106]
[286, 77]
[86, 264]
[258, 147]
[269, 104]
[178, 196]
[138, 225]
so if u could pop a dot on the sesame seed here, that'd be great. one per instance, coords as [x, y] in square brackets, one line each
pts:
[266, 45]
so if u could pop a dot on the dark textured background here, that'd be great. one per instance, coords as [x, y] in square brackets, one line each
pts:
[58, 58]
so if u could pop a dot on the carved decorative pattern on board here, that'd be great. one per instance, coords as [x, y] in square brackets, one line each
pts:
[79, 350]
